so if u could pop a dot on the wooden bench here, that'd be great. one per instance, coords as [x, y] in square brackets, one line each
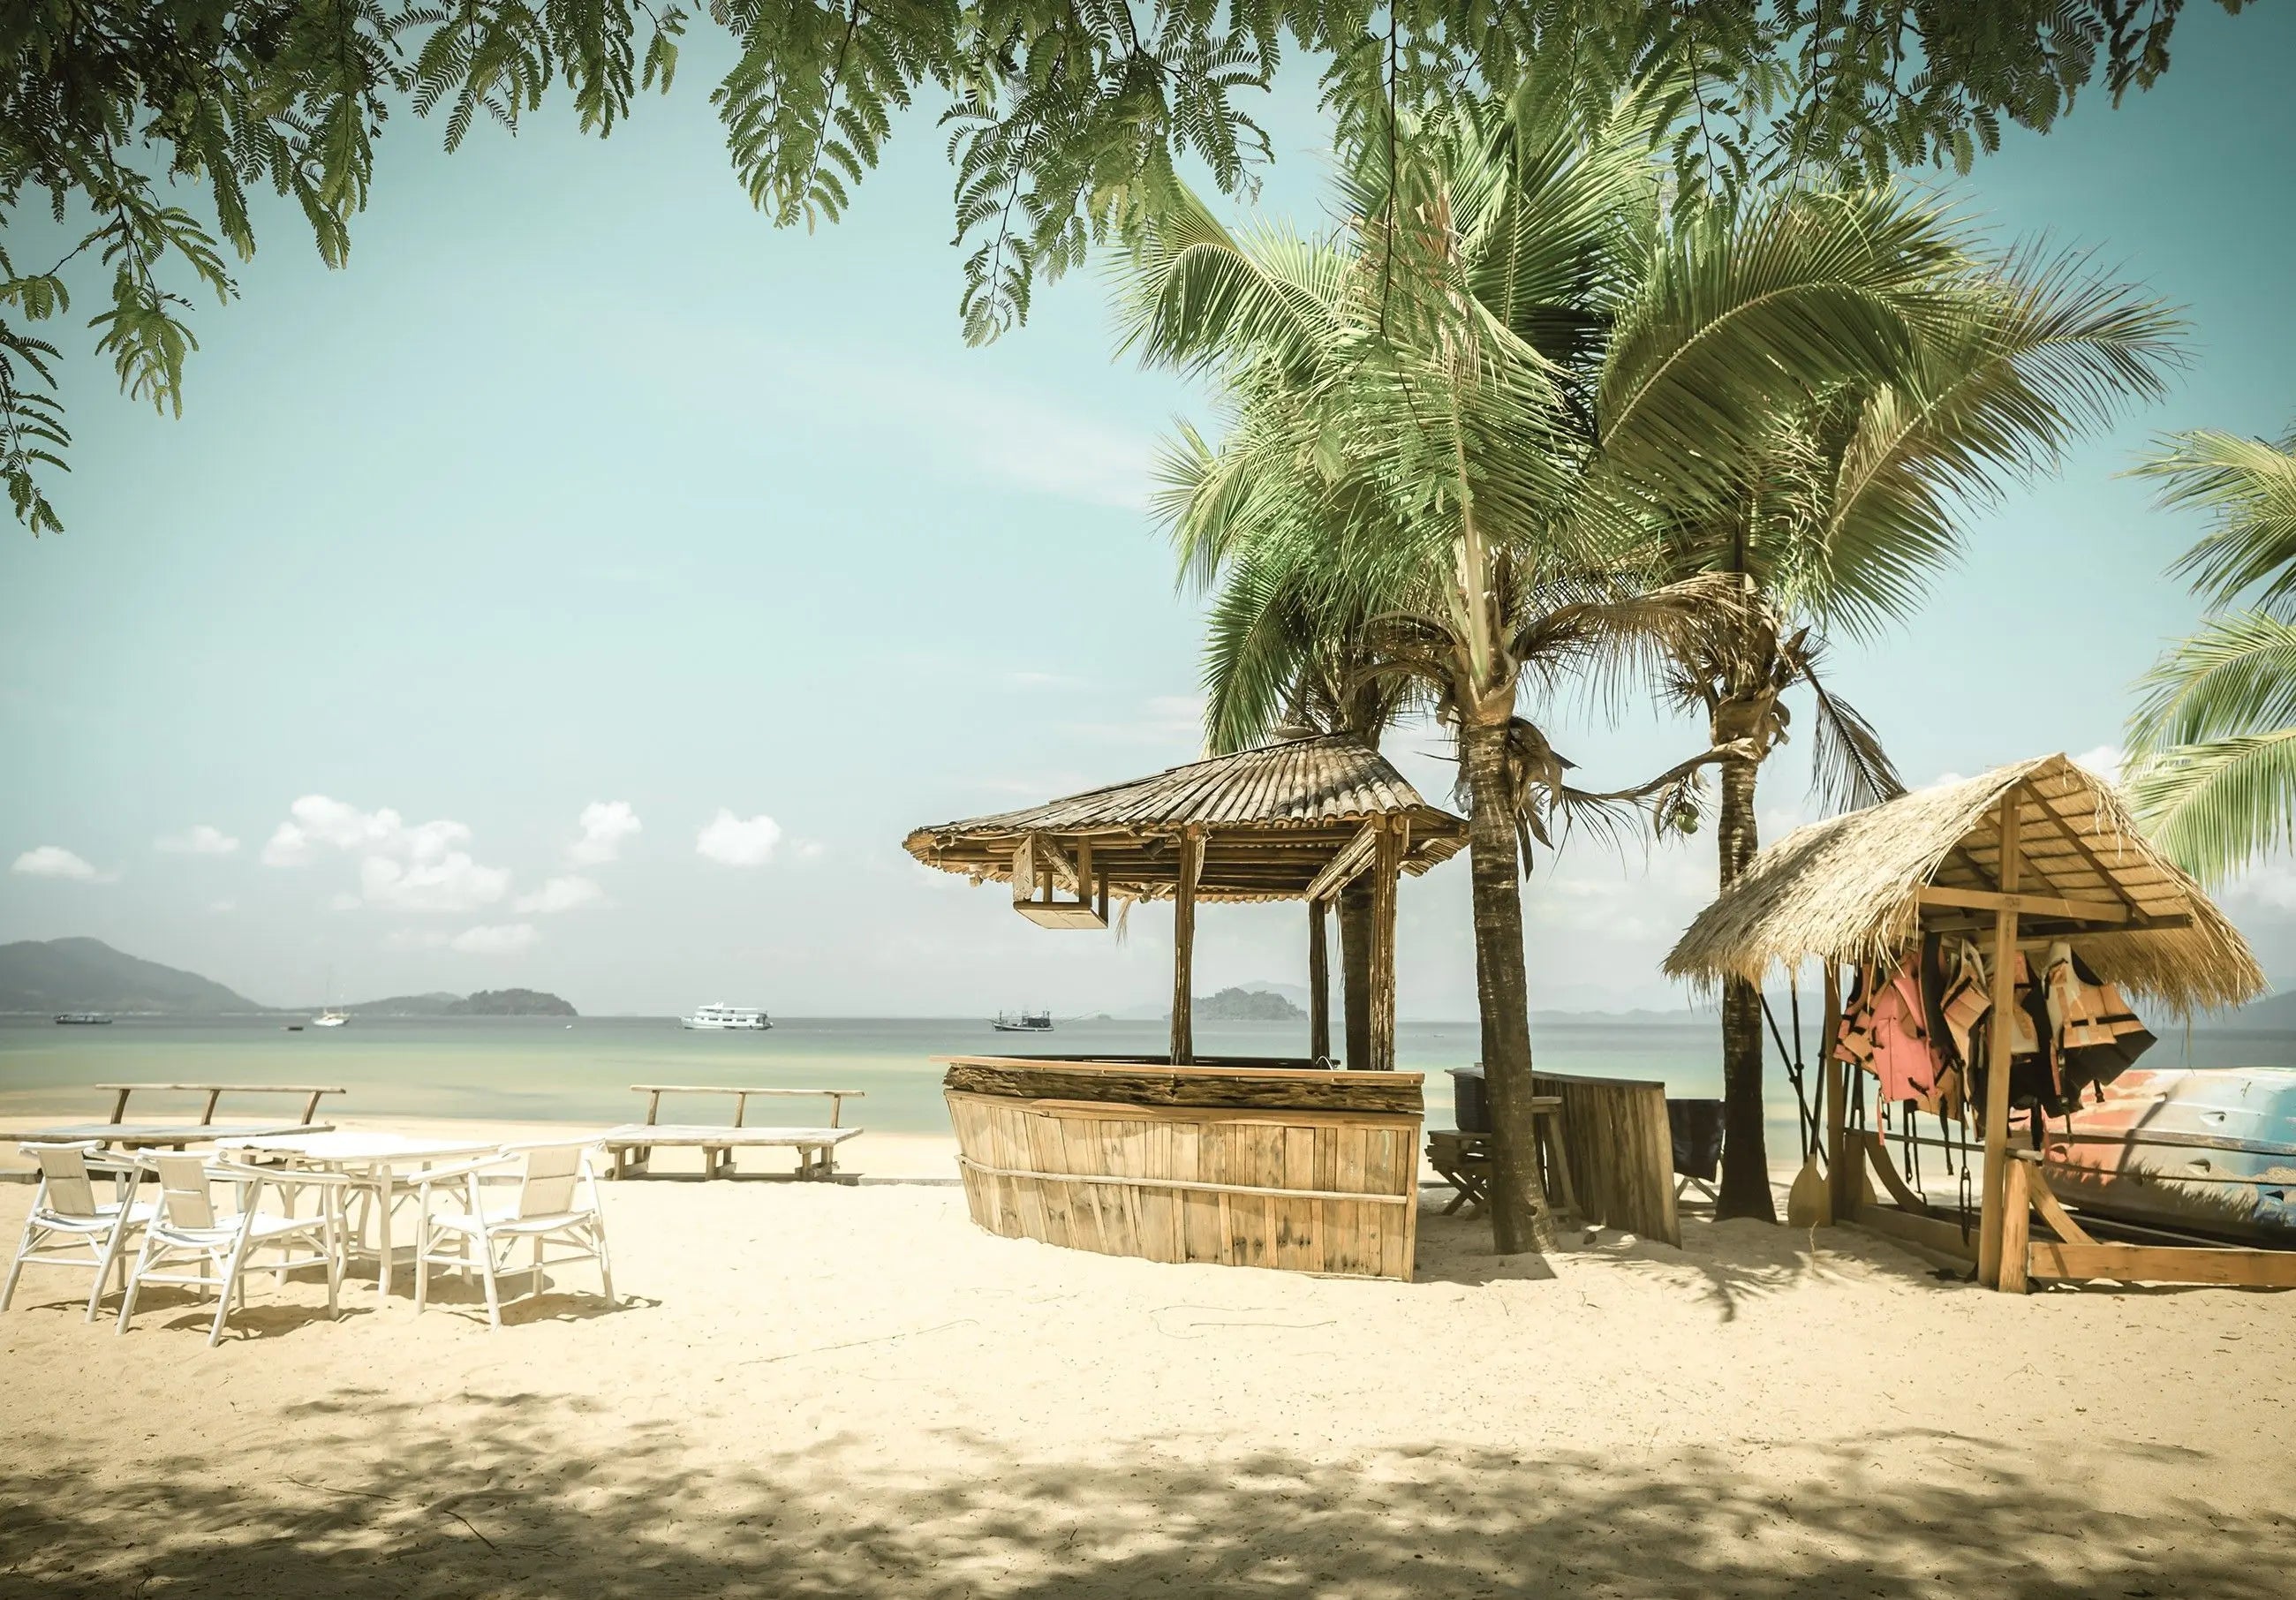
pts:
[215, 1092]
[632, 1143]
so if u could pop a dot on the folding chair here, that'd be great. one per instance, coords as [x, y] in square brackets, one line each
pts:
[557, 1201]
[191, 1226]
[65, 1208]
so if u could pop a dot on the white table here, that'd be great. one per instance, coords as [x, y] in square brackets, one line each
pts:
[372, 1162]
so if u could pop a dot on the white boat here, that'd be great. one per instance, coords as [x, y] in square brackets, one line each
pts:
[718, 1018]
[330, 1018]
[1028, 1021]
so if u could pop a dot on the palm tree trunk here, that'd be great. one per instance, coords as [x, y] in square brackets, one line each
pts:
[1355, 969]
[1745, 1160]
[1519, 1217]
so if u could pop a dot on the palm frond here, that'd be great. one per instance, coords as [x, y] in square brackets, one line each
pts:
[2221, 805]
[2234, 678]
[2248, 487]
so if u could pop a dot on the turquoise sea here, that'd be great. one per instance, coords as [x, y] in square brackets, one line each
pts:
[539, 1068]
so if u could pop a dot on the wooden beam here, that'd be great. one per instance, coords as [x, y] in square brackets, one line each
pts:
[2042, 929]
[1392, 841]
[2164, 1264]
[1930, 1233]
[1319, 984]
[2046, 1202]
[1342, 870]
[1184, 945]
[2036, 905]
[2002, 1038]
[2111, 881]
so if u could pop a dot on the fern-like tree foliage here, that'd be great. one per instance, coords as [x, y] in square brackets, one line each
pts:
[1851, 498]
[1459, 430]
[2213, 738]
[1068, 121]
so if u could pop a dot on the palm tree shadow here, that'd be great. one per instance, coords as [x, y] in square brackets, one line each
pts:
[370, 1496]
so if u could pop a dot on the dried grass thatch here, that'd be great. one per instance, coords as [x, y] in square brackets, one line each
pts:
[1847, 890]
[1272, 817]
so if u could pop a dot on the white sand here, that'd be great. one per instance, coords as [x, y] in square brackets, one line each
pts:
[818, 1391]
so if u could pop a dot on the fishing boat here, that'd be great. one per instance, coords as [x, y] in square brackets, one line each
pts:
[2208, 1152]
[1028, 1021]
[726, 1019]
[83, 1018]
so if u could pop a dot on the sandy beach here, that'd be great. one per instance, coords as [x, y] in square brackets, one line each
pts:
[851, 1391]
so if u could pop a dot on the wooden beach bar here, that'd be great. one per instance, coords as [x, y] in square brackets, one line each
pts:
[2019, 860]
[1306, 1164]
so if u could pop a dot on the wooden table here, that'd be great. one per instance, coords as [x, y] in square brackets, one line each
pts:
[153, 1135]
[372, 1161]
[1463, 1160]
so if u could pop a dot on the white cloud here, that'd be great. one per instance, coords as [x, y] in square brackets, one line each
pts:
[315, 820]
[408, 868]
[736, 841]
[198, 840]
[810, 849]
[2105, 761]
[561, 894]
[55, 861]
[605, 824]
[508, 939]
[450, 883]
[221, 907]
[503, 938]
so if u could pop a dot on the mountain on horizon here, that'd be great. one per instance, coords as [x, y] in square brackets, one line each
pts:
[86, 974]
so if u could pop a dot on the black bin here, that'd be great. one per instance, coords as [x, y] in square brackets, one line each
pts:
[1470, 1098]
[1696, 1126]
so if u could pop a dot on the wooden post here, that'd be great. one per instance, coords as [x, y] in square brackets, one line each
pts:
[1183, 946]
[1319, 985]
[2016, 1214]
[2000, 1038]
[1386, 871]
[119, 1104]
[1834, 1075]
[207, 1111]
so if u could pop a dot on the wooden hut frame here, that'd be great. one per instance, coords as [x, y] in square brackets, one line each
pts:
[1300, 819]
[2027, 855]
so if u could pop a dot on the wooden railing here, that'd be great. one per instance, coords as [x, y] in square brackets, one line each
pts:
[215, 1092]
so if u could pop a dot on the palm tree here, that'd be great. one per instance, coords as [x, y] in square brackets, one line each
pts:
[2214, 736]
[1854, 500]
[1473, 400]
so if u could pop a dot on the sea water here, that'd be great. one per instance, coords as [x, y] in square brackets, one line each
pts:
[540, 1069]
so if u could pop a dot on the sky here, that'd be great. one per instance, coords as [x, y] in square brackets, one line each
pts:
[589, 586]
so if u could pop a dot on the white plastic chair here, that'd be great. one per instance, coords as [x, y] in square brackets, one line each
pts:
[189, 1225]
[65, 1208]
[557, 1203]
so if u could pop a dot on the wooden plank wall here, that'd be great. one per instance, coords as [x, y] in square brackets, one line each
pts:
[1621, 1150]
[1017, 1152]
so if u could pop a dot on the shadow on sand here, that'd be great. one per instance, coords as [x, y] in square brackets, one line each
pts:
[518, 1494]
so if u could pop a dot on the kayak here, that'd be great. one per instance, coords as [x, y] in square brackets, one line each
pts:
[2210, 1151]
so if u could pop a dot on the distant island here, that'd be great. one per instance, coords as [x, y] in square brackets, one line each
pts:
[486, 1003]
[1247, 1005]
[46, 976]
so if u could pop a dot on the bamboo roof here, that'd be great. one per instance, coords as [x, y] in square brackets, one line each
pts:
[1848, 888]
[1272, 817]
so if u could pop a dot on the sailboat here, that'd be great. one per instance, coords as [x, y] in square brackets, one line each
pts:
[329, 1017]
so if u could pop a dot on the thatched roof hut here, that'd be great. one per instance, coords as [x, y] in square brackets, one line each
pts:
[1272, 819]
[1858, 888]
[1299, 819]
